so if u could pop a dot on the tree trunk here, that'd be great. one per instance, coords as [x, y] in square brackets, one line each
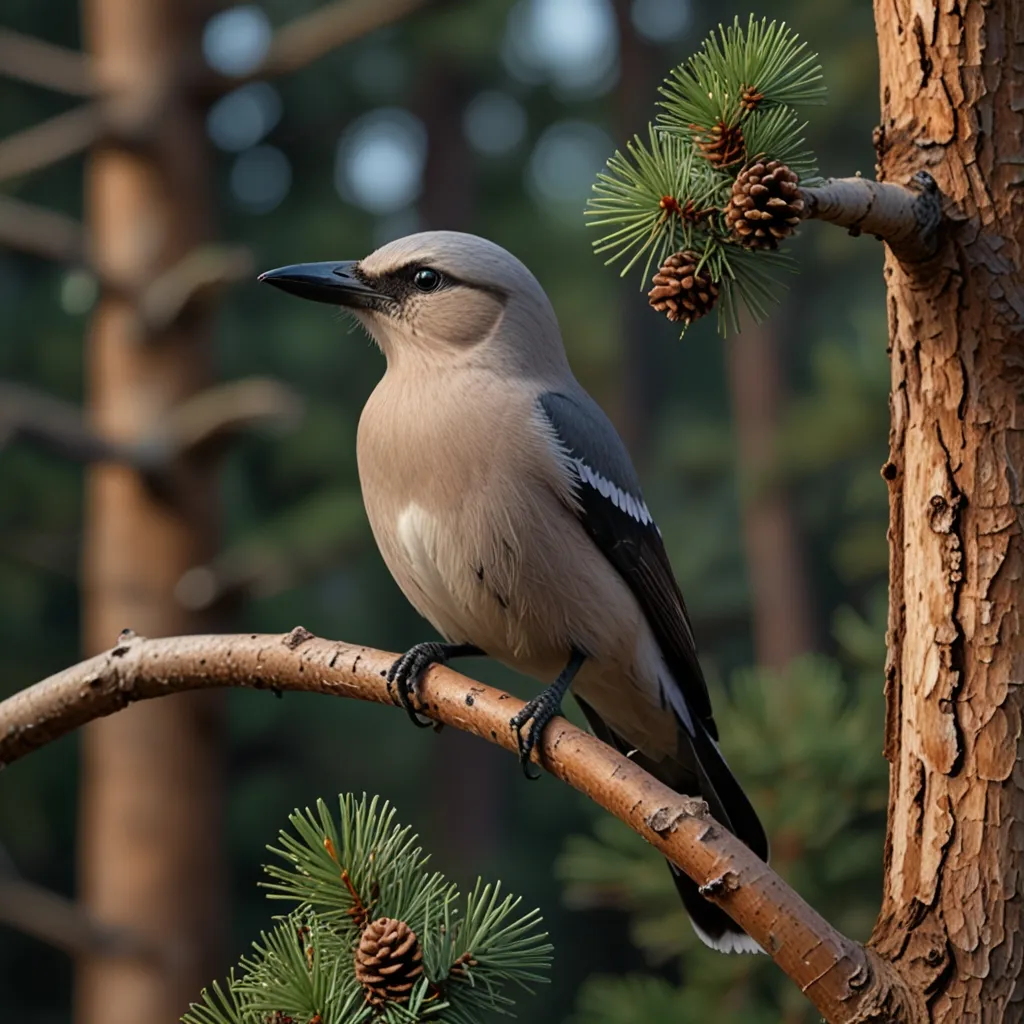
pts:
[467, 778]
[779, 587]
[151, 788]
[634, 406]
[952, 918]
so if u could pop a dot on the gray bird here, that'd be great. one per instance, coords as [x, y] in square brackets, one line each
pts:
[510, 515]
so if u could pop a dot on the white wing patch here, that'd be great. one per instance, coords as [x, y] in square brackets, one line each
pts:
[417, 531]
[632, 506]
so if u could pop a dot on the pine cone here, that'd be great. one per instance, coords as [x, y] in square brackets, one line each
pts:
[765, 206]
[750, 98]
[721, 144]
[388, 961]
[680, 292]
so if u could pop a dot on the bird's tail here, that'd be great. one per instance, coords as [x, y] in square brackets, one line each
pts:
[700, 770]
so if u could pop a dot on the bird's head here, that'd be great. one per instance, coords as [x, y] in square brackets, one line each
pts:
[440, 295]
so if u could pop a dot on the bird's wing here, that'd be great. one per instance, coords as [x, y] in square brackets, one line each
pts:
[612, 511]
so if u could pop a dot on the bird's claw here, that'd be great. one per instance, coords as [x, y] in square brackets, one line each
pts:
[405, 674]
[538, 712]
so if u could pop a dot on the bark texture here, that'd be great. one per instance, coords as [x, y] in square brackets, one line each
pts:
[848, 983]
[150, 850]
[952, 919]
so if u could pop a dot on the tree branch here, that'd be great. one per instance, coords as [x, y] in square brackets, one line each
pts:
[314, 35]
[55, 425]
[845, 981]
[906, 218]
[42, 63]
[197, 428]
[197, 277]
[202, 424]
[53, 140]
[62, 923]
[42, 232]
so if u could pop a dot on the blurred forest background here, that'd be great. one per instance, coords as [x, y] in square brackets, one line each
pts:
[759, 456]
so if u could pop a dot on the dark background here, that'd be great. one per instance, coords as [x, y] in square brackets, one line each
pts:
[494, 117]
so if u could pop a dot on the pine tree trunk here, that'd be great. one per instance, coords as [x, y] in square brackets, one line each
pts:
[779, 587]
[151, 788]
[466, 777]
[952, 917]
[634, 402]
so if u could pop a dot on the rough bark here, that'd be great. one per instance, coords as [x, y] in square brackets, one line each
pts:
[150, 849]
[848, 983]
[952, 919]
[779, 587]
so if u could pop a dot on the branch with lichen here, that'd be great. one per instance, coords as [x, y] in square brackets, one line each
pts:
[844, 980]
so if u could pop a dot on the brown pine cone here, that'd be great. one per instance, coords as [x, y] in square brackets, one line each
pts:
[765, 206]
[750, 98]
[680, 291]
[389, 961]
[723, 145]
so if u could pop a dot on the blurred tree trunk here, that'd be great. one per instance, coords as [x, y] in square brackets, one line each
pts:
[150, 855]
[467, 772]
[780, 589]
[634, 409]
[952, 82]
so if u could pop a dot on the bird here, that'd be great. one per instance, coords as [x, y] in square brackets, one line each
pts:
[509, 512]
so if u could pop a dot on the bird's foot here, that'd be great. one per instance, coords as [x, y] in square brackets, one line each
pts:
[405, 674]
[539, 712]
[529, 725]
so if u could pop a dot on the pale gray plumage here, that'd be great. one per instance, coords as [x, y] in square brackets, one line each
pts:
[508, 510]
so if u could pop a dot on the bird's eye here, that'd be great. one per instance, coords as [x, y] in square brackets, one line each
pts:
[427, 279]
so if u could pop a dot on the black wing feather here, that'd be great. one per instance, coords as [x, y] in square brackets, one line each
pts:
[619, 524]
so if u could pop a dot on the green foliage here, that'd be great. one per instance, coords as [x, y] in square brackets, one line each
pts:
[671, 194]
[639, 997]
[341, 875]
[767, 57]
[806, 744]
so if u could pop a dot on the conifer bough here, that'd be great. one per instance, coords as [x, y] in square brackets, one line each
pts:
[846, 981]
[728, 142]
[375, 935]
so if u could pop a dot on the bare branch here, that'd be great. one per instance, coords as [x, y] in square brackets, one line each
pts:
[47, 143]
[54, 424]
[198, 277]
[906, 218]
[198, 427]
[42, 63]
[314, 35]
[41, 232]
[845, 981]
[62, 923]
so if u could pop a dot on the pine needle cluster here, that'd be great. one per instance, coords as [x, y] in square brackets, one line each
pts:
[728, 106]
[351, 881]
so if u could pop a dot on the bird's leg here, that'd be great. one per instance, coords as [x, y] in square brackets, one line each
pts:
[406, 672]
[545, 706]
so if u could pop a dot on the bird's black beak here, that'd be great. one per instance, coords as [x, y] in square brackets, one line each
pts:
[335, 283]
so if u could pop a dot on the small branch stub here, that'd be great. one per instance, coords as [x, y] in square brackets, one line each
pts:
[906, 217]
